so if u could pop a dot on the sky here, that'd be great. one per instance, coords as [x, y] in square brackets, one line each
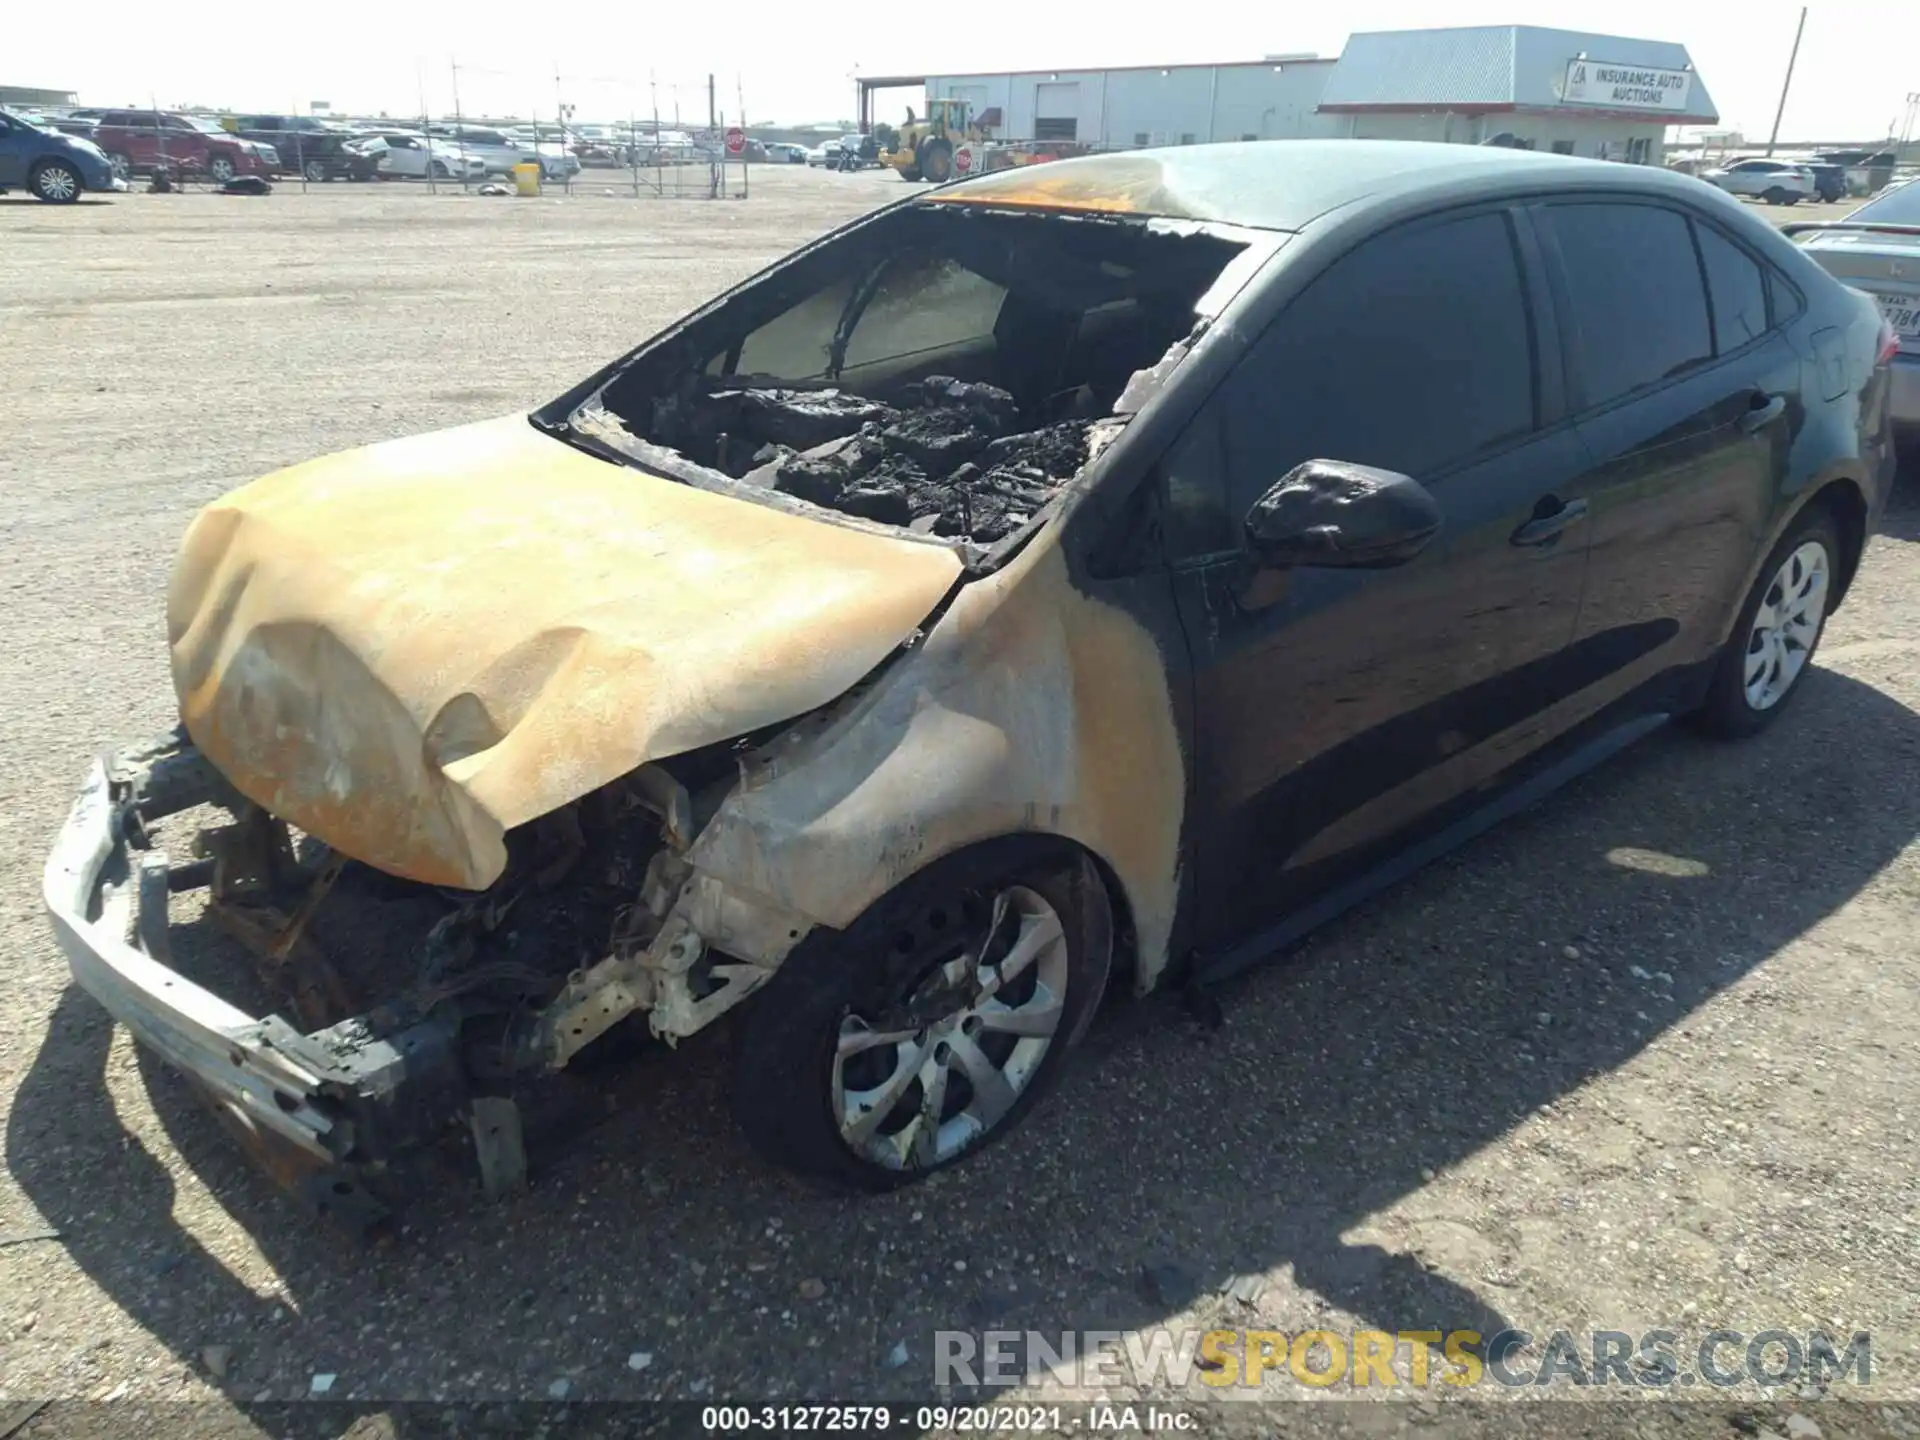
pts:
[788, 64]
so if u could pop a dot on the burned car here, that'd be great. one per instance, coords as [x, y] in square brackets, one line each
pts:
[1074, 580]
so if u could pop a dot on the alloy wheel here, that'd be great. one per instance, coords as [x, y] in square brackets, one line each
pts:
[938, 1070]
[221, 168]
[1786, 625]
[56, 182]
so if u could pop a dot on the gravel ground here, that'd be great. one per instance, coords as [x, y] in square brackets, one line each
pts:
[1643, 1057]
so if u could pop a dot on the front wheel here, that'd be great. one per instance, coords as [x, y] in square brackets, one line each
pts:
[121, 166]
[56, 182]
[931, 1025]
[222, 169]
[1772, 643]
[936, 161]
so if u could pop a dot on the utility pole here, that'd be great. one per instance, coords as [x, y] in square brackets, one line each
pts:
[714, 172]
[1787, 83]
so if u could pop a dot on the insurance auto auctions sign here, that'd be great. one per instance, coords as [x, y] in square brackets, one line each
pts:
[1626, 87]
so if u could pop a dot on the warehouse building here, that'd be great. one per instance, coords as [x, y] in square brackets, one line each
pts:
[1605, 96]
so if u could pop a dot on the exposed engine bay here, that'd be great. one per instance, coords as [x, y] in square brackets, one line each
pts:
[946, 371]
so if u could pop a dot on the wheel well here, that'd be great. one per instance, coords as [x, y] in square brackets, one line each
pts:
[1842, 500]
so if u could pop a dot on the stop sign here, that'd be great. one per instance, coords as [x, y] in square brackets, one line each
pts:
[736, 140]
[963, 160]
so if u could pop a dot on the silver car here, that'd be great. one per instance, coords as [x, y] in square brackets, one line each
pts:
[1877, 249]
[1778, 182]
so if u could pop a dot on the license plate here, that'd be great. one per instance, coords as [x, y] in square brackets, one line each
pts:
[1903, 313]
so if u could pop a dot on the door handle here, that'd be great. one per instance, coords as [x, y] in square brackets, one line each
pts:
[1766, 409]
[1544, 529]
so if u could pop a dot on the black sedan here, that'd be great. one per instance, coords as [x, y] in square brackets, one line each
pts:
[1123, 565]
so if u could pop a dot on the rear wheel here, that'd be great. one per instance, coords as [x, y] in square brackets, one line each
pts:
[56, 182]
[315, 172]
[1767, 655]
[1775, 196]
[932, 1024]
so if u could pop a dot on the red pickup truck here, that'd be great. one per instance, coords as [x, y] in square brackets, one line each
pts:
[143, 141]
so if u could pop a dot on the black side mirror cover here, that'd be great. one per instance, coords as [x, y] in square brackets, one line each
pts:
[1333, 513]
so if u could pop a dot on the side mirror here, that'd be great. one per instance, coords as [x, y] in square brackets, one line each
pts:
[1331, 513]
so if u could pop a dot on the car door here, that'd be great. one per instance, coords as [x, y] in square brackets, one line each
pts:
[15, 143]
[1337, 712]
[1688, 397]
[405, 156]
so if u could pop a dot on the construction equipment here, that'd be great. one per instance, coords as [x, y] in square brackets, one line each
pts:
[925, 148]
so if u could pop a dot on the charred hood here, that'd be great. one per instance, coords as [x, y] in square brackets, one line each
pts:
[408, 650]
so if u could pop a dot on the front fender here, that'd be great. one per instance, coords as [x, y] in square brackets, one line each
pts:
[1030, 707]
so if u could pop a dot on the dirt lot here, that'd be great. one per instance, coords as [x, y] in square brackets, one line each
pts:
[1644, 1057]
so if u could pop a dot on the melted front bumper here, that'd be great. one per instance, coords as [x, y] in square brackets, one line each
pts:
[317, 1111]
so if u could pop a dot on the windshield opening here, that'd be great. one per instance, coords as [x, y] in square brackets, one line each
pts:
[939, 369]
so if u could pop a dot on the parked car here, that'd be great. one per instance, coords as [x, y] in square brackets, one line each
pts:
[499, 152]
[50, 165]
[410, 155]
[824, 153]
[138, 142]
[781, 153]
[312, 148]
[1829, 181]
[1778, 182]
[1877, 249]
[1176, 674]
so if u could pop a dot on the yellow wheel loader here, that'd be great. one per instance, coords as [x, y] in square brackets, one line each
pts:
[924, 149]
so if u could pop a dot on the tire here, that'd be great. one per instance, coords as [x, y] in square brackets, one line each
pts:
[56, 182]
[315, 172]
[121, 165]
[221, 169]
[897, 987]
[1736, 706]
[910, 175]
[936, 161]
[440, 170]
[1775, 196]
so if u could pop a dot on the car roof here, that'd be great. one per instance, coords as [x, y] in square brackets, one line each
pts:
[1285, 184]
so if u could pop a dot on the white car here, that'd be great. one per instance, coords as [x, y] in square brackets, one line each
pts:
[500, 152]
[412, 156]
[1778, 182]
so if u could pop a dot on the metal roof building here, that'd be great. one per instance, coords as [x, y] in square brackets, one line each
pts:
[1572, 92]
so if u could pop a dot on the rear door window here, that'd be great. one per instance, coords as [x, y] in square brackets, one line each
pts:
[1638, 307]
[1737, 286]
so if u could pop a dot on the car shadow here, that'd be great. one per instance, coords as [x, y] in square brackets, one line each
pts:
[1392, 1045]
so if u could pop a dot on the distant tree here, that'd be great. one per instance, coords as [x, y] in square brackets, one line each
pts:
[885, 136]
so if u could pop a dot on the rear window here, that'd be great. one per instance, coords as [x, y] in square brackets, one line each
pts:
[1638, 307]
[1898, 206]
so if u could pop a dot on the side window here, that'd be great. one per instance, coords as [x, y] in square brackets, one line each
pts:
[1738, 288]
[1414, 353]
[1639, 309]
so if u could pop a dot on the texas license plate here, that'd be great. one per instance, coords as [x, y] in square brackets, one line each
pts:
[1903, 313]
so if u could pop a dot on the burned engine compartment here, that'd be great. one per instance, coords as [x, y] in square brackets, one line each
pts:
[951, 459]
[943, 369]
